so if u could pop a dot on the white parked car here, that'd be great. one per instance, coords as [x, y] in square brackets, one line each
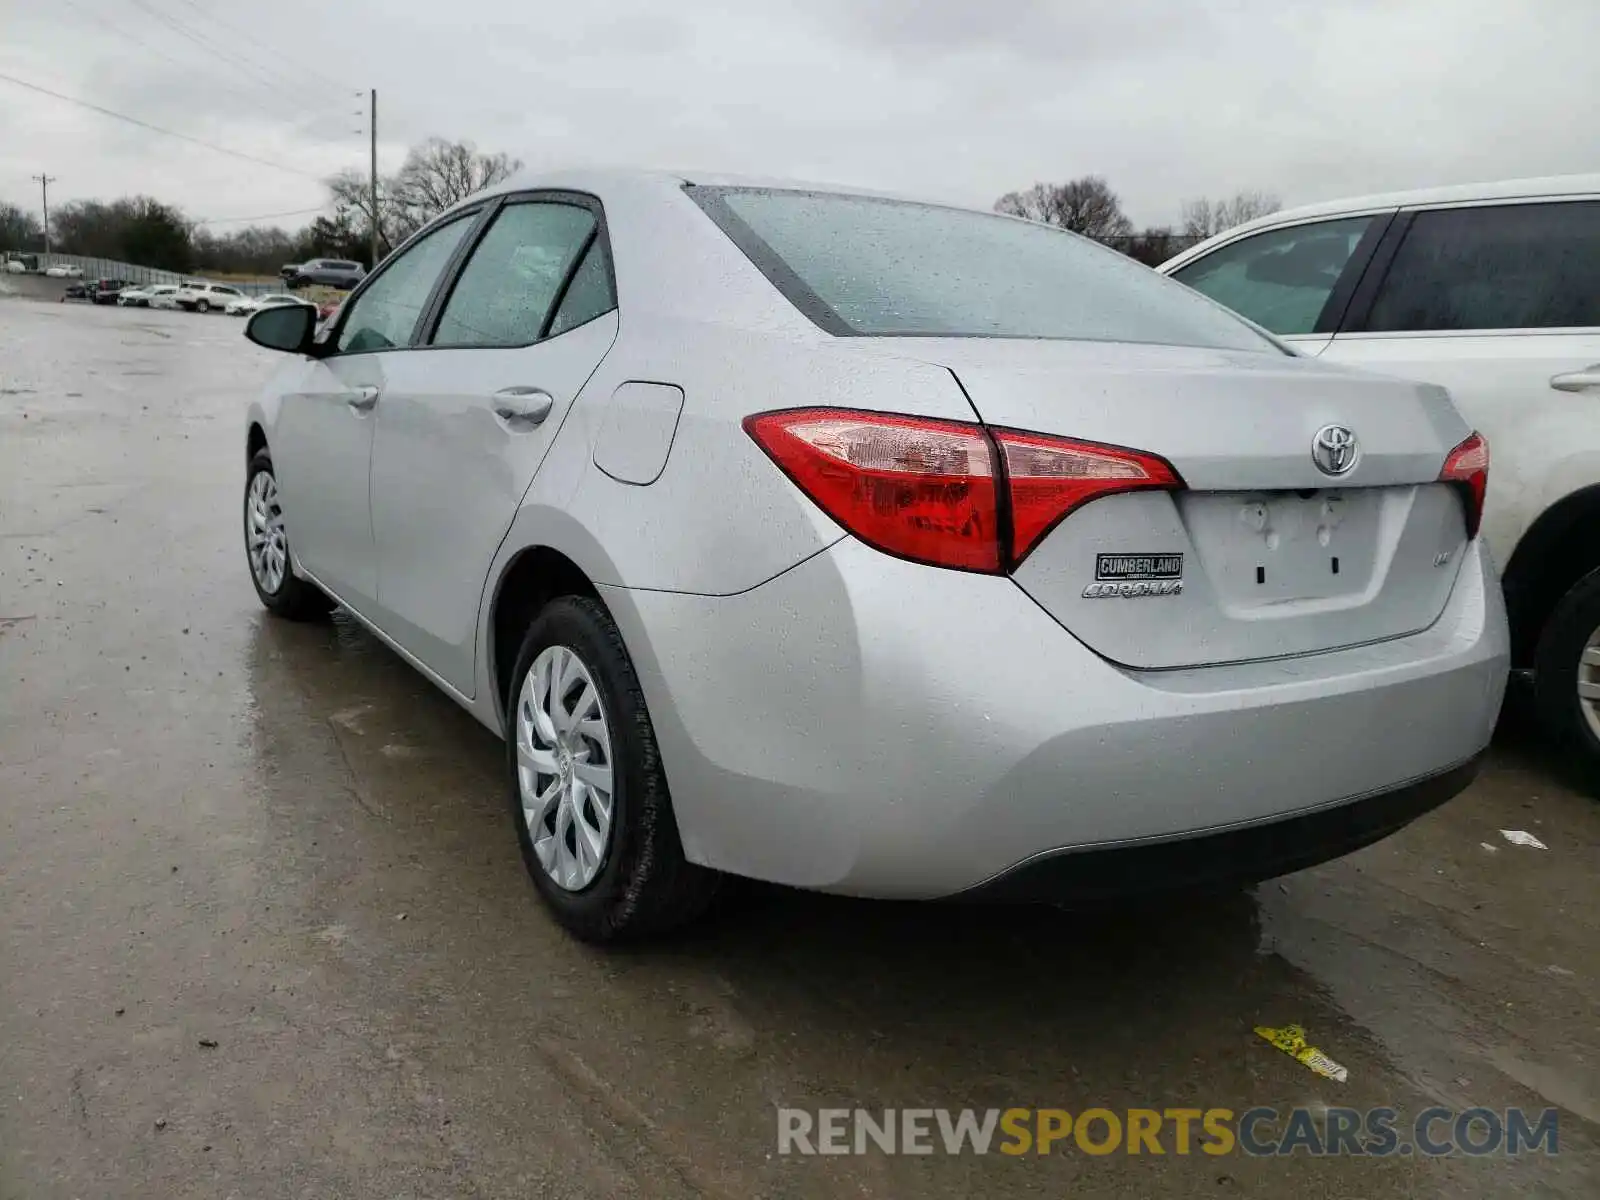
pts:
[246, 305]
[150, 295]
[876, 547]
[1493, 291]
[197, 296]
[62, 272]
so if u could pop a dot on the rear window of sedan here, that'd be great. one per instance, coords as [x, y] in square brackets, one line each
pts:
[870, 267]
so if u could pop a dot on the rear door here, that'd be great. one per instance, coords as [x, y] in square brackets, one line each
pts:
[1292, 280]
[1499, 303]
[468, 417]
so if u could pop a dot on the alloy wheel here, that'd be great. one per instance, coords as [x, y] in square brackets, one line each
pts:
[564, 767]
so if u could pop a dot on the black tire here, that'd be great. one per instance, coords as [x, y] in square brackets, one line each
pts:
[295, 599]
[202, 306]
[1556, 665]
[645, 885]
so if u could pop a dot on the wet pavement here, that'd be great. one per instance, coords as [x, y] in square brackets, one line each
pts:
[264, 930]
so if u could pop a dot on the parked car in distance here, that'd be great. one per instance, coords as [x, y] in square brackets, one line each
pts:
[328, 272]
[1492, 291]
[107, 291]
[246, 305]
[76, 291]
[64, 272]
[150, 295]
[1046, 578]
[200, 296]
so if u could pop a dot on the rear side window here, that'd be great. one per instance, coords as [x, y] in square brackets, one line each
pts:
[1519, 266]
[858, 265]
[1280, 279]
[506, 289]
[589, 295]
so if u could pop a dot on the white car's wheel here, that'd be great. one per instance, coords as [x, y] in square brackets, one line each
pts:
[588, 793]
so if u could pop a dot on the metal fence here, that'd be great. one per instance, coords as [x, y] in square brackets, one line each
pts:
[107, 268]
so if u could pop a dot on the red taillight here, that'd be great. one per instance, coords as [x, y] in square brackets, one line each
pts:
[930, 490]
[918, 488]
[1049, 477]
[1468, 466]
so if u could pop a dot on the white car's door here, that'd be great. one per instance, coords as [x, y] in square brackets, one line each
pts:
[322, 441]
[1501, 305]
[467, 418]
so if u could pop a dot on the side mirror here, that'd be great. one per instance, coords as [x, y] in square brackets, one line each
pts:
[286, 327]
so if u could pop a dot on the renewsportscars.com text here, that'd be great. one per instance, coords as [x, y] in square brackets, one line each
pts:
[1376, 1132]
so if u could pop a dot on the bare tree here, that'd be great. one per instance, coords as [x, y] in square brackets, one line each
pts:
[438, 173]
[1202, 218]
[1087, 206]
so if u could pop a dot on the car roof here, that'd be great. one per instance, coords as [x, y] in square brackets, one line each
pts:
[599, 180]
[1540, 187]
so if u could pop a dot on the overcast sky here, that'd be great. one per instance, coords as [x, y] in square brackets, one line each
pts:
[955, 99]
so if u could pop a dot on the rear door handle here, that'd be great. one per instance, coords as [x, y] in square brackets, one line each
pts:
[525, 406]
[1577, 381]
[363, 398]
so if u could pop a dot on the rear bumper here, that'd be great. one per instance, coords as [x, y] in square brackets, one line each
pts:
[865, 725]
[1242, 854]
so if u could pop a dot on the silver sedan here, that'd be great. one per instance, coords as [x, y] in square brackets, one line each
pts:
[878, 547]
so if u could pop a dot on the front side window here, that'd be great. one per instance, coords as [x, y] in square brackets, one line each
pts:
[1280, 279]
[384, 315]
[859, 265]
[508, 285]
[1516, 266]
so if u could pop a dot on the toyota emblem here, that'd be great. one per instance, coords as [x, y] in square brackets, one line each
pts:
[1335, 450]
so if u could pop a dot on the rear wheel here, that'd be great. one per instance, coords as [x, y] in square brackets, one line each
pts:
[266, 545]
[1567, 671]
[202, 306]
[588, 795]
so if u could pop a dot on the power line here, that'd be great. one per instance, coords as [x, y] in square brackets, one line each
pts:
[273, 89]
[212, 47]
[182, 137]
[299, 212]
[322, 80]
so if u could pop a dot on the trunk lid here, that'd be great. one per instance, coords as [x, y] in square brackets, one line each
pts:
[1263, 554]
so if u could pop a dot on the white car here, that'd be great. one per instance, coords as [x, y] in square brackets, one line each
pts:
[150, 295]
[246, 305]
[197, 296]
[61, 272]
[1493, 291]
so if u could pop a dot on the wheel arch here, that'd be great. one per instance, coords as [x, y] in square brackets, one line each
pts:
[530, 579]
[255, 440]
[1558, 549]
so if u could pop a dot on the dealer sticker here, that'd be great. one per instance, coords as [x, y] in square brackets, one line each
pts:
[1127, 576]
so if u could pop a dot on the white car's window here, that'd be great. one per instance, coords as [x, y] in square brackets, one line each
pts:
[590, 294]
[511, 280]
[384, 315]
[858, 265]
[1280, 279]
[1519, 266]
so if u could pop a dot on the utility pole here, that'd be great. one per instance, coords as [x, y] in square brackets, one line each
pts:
[372, 122]
[44, 190]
